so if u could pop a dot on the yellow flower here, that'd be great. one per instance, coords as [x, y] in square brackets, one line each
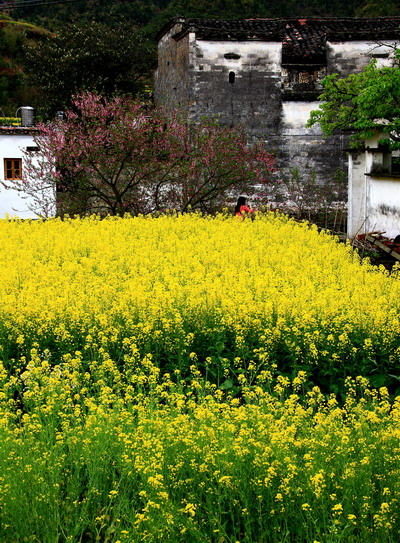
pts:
[190, 509]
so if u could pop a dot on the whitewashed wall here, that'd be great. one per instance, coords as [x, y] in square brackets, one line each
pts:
[296, 114]
[383, 206]
[374, 199]
[357, 190]
[353, 56]
[12, 202]
[257, 54]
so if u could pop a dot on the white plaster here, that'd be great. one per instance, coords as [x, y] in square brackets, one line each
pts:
[12, 202]
[383, 206]
[356, 196]
[192, 48]
[296, 114]
[362, 51]
[215, 51]
[374, 201]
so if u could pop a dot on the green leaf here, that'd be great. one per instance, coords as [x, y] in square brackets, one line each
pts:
[378, 380]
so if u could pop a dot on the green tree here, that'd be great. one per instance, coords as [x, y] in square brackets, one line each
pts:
[14, 90]
[56, 14]
[88, 57]
[362, 103]
[376, 8]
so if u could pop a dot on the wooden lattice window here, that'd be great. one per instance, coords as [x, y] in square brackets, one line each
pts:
[304, 77]
[12, 168]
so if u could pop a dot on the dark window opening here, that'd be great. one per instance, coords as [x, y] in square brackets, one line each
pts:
[232, 56]
[231, 77]
[380, 55]
[396, 164]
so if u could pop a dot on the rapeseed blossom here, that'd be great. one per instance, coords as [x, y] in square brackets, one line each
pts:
[172, 379]
[268, 291]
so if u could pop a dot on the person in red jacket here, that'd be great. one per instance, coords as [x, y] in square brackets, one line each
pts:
[241, 209]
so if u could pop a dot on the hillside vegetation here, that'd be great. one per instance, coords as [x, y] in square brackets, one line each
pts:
[151, 14]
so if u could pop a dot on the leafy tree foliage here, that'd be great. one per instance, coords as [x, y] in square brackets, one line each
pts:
[239, 9]
[361, 103]
[115, 156]
[152, 14]
[92, 57]
[54, 15]
[14, 91]
[376, 8]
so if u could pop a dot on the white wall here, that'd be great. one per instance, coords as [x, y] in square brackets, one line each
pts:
[12, 202]
[383, 206]
[295, 116]
[356, 195]
[264, 56]
[353, 56]
[374, 199]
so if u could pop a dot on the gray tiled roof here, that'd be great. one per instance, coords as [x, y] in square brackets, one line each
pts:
[301, 38]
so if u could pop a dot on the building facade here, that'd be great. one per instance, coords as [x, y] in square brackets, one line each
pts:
[374, 189]
[14, 142]
[265, 74]
[17, 145]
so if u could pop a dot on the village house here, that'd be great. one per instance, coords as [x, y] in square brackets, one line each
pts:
[16, 139]
[17, 149]
[14, 142]
[374, 189]
[265, 74]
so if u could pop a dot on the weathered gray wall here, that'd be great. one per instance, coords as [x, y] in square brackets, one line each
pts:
[252, 98]
[194, 76]
[173, 87]
[350, 57]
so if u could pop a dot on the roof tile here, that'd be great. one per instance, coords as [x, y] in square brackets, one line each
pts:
[303, 38]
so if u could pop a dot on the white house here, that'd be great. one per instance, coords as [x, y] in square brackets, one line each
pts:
[15, 142]
[374, 190]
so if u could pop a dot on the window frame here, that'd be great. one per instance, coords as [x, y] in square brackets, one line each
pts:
[15, 169]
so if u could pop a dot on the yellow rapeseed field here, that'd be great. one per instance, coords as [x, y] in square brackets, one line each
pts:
[173, 379]
[174, 282]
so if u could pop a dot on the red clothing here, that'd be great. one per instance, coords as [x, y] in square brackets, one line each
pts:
[243, 210]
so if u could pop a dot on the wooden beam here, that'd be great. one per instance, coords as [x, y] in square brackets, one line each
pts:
[382, 246]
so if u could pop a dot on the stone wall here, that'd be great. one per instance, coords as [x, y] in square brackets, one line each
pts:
[243, 82]
[173, 85]
[238, 83]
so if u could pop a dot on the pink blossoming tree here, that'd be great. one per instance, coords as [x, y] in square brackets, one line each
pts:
[116, 156]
